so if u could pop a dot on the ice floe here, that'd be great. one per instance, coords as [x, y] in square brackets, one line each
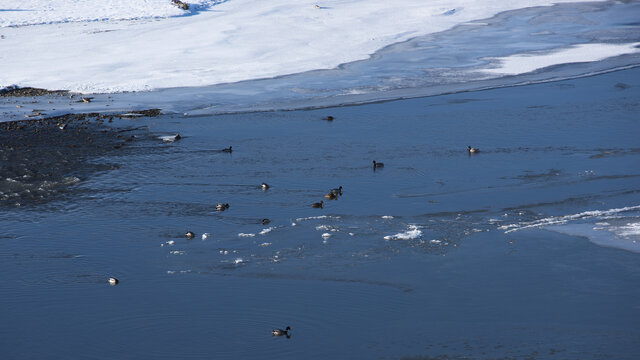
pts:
[413, 232]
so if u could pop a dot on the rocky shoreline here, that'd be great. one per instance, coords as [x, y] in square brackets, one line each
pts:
[41, 159]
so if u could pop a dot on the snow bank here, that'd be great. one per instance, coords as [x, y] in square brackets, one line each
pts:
[89, 49]
[33, 12]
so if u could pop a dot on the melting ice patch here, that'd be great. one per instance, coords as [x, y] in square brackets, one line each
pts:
[412, 233]
[524, 63]
[563, 219]
[246, 235]
[621, 230]
[628, 230]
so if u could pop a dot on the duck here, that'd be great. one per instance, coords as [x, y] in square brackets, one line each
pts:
[113, 281]
[328, 118]
[170, 138]
[331, 196]
[189, 234]
[265, 221]
[337, 191]
[280, 332]
[472, 150]
[227, 150]
[222, 207]
[377, 164]
[264, 186]
[317, 205]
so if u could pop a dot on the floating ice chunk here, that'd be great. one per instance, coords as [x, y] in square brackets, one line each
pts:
[224, 252]
[238, 261]
[312, 218]
[317, 218]
[170, 242]
[387, 217]
[266, 230]
[246, 235]
[176, 252]
[293, 224]
[351, 234]
[435, 241]
[412, 233]
[326, 235]
[322, 227]
[170, 272]
[205, 236]
[265, 244]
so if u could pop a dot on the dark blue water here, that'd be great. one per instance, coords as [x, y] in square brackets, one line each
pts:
[419, 263]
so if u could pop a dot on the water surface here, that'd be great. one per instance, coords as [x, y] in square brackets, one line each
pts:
[438, 254]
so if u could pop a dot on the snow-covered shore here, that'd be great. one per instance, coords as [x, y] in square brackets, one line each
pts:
[86, 46]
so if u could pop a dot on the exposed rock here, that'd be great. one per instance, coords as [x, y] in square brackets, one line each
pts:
[180, 4]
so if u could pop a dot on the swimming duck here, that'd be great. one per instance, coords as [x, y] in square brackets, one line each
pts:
[189, 234]
[264, 186]
[170, 138]
[317, 205]
[222, 207]
[337, 191]
[227, 150]
[331, 196]
[113, 281]
[265, 221]
[377, 164]
[280, 332]
[328, 118]
[472, 150]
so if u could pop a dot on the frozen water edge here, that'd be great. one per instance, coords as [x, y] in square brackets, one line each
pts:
[448, 62]
[92, 57]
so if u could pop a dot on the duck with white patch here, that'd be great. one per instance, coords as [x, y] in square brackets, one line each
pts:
[472, 150]
[170, 138]
[222, 207]
[280, 332]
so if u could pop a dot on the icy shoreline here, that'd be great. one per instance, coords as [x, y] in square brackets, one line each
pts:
[232, 41]
[539, 49]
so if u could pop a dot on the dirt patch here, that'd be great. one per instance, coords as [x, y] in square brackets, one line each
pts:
[14, 91]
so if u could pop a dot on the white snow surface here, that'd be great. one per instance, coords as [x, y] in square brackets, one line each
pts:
[132, 45]
[524, 63]
[32, 12]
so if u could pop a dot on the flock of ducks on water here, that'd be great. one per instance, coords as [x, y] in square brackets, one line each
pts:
[333, 194]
